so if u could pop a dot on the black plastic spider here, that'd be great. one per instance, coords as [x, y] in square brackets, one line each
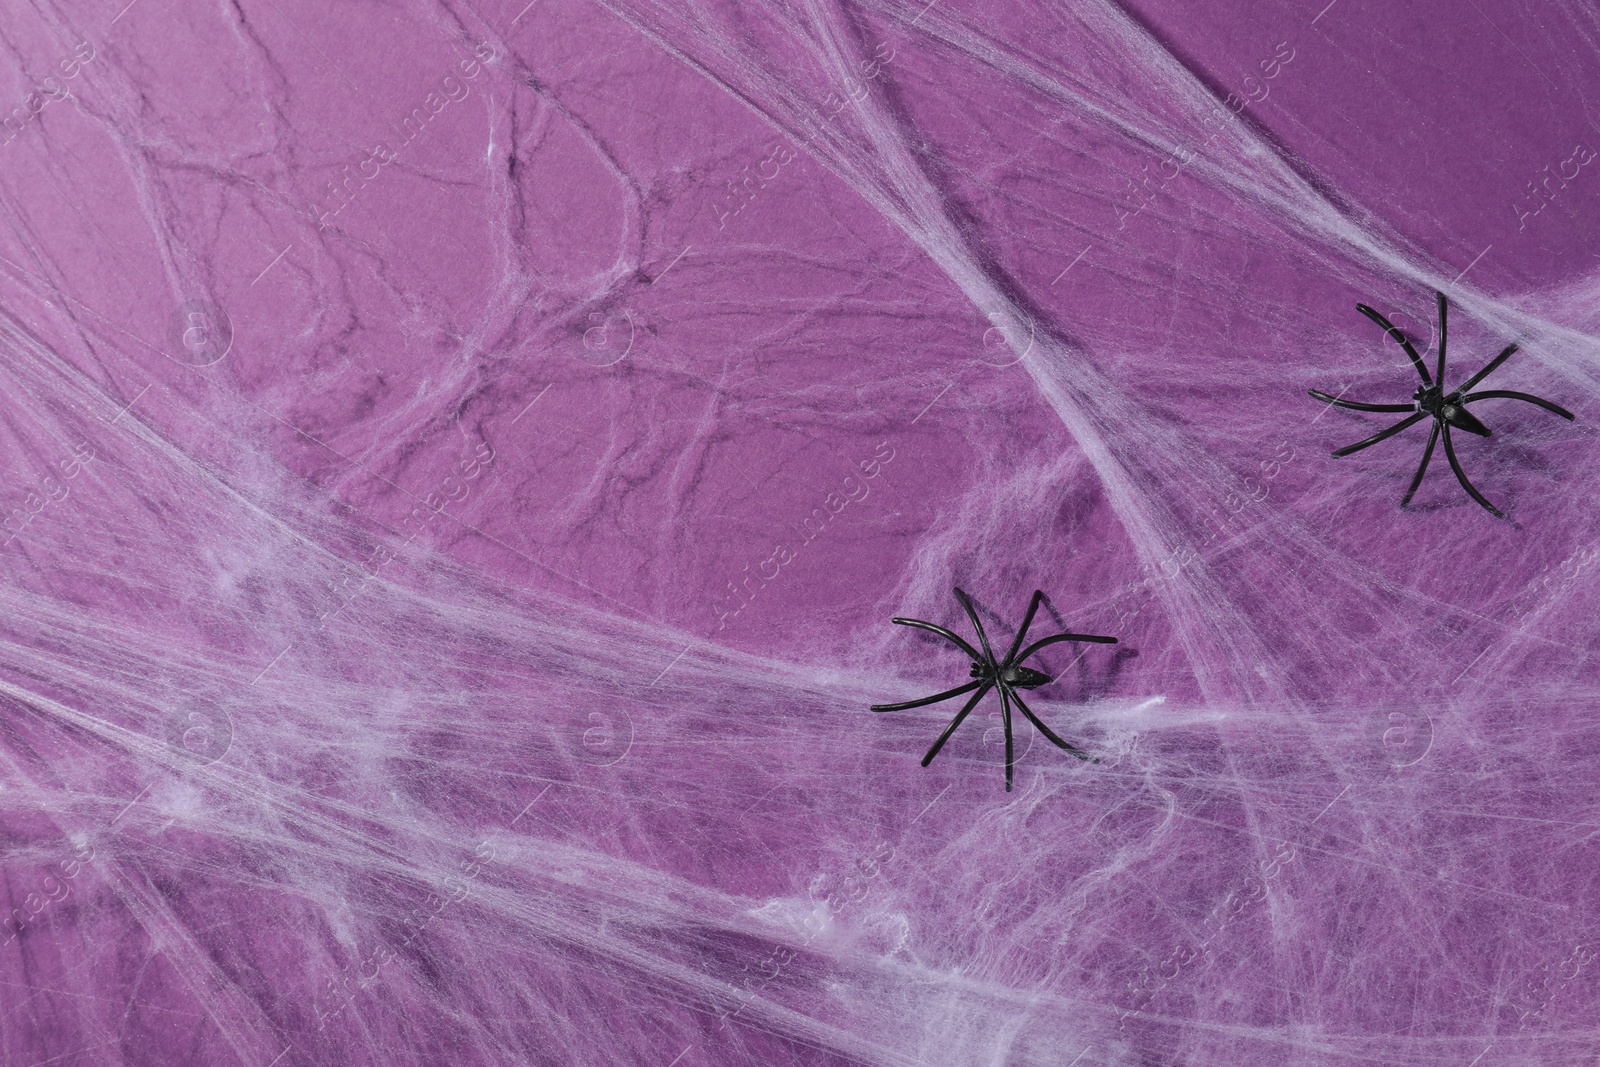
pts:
[1431, 401]
[1007, 675]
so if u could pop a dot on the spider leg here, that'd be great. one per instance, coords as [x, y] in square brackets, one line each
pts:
[955, 722]
[1489, 394]
[1027, 621]
[942, 632]
[1074, 749]
[1443, 305]
[1042, 642]
[1461, 475]
[1427, 457]
[1359, 406]
[977, 624]
[1488, 368]
[1382, 435]
[946, 695]
[1005, 712]
[1395, 333]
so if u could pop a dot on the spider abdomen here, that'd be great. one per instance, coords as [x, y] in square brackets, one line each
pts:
[1025, 678]
[1458, 416]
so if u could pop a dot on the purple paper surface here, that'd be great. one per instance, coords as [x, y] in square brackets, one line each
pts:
[461, 461]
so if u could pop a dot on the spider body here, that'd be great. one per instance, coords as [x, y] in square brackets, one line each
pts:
[1015, 677]
[1430, 401]
[1005, 675]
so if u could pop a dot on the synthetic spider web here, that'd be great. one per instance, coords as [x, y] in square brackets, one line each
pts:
[459, 464]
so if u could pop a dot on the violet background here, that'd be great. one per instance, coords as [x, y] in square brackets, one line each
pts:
[375, 687]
